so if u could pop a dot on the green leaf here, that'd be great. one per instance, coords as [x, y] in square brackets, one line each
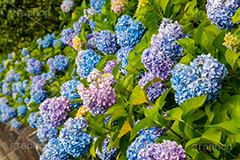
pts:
[191, 143]
[161, 100]
[164, 4]
[236, 17]
[116, 69]
[95, 129]
[191, 105]
[213, 135]
[228, 126]
[231, 57]
[140, 125]
[175, 114]
[138, 96]
[154, 80]
[125, 128]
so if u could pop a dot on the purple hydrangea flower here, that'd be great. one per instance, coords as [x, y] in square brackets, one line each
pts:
[109, 66]
[165, 150]
[107, 42]
[92, 39]
[78, 25]
[46, 132]
[129, 32]
[54, 111]
[67, 36]
[75, 140]
[67, 5]
[54, 150]
[100, 95]
[118, 5]
[34, 66]
[38, 82]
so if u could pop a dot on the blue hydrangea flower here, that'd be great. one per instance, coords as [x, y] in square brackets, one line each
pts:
[155, 90]
[86, 61]
[49, 76]
[22, 111]
[25, 52]
[203, 76]
[221, 13]
[17, 77]
[92, 24]
[1, 68]
[35, 120]
[164, 43]
[107, 42]
[6, 89]
[69, 90]
[34, 66]
[38, 82]
[61, 62]
[122, 55]
[67, 5]
[46, 132]
[129, 32]
[106, 153]
[47, 41]
[97, 5]
[7, 113]
[55, 42]
[75, 140]
[78, 25]
[67, 36]
[54, 150]
[10, 76]
[92, 40]
[141, 142]
[166, 150]
[16, 124]
[19, 100]
[39, 96]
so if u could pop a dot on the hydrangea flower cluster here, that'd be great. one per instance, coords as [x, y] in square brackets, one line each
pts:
[6, 89]
[140, 142]
[10, 76]
[165, 41]
[39, 96]
[49, 76]
[169, 150]
[106, 153]
[19, 87]
[54, 150]
[109, 66]
[54, 111]
[16, 124]
[118, 5]
[158, 65]
[78, 25]
[34, 66]
[86, 61]
[221, 13]
[35, 120]
[107, 42]
[100, 95]
[129, 32]
[122, 55]
[55, 42]
[67, 36]
[232, 42]
[92, 24]
[22, 111]
[77, 43]
[59, 63]
[76, 141]
[47, 42]
[38, 82]
[67, 5]
[46, 132]
[25, 52]
[92, 39]
[203, 76]
[7, 113]
[97, 5]
[155, 90]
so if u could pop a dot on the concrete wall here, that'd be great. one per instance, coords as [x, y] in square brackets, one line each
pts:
[20, 144]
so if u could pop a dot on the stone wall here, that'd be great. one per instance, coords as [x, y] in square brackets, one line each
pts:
[20, 144]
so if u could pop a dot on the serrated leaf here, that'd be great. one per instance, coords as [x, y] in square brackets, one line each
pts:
[138, 96]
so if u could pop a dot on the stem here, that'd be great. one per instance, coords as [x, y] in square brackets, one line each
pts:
[177, 134]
